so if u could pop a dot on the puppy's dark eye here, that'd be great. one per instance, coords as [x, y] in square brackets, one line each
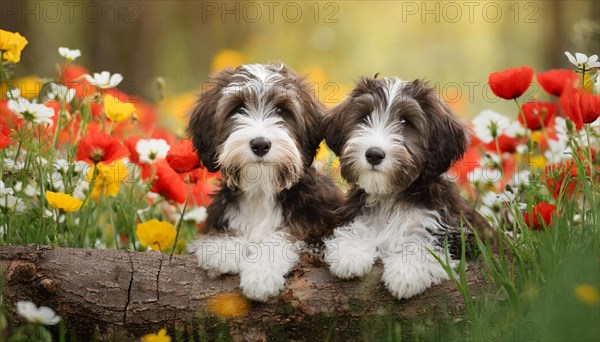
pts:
[239, 110]
[404, 122]
[279, 110]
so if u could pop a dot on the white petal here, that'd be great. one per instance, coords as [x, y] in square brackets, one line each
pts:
[90, 79]
[581, 58]
[70, 95]
[571, 58]
[115, 80]
[592, 59]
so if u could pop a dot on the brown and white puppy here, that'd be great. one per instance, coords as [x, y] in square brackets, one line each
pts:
[260, 125]
[396, 140]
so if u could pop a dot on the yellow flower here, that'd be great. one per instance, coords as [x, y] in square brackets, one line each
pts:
[156, 234]
[227, 58]
[538, 161]
[108, 179]
[63, 201]
[29, 87]
[116, 110]
[537, 136]
[161, 336]
[228, 305]
[587, 294]
[12, 44]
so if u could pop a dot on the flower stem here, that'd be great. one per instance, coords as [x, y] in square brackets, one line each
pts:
[85, 202]
[112, 223]
[180, 219]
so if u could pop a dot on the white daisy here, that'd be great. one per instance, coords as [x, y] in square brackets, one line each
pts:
[582, 61]
[104, 79]
[558, 149]
[31, 111]
[196, 215]
[61, 93]
[42, 315]
[150, 150]
[10, 202]
[13, 93]
[69, 54]
[11, 165]
[514, 129]
[488, 124]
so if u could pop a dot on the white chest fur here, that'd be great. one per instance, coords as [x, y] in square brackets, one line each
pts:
[390, 224]
[257, 215]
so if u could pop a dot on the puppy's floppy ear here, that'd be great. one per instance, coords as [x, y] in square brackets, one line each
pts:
[341, 119]
[314, 126]
[333, 126]
[312, 117]
[448, 136]
[202, 124]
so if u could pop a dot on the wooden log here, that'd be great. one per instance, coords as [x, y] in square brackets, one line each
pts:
[122, 295]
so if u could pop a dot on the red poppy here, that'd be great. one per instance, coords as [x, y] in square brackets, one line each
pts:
[511, 83]
[8, 117]
[506, 144]
[554, 81]
[534, 113]
[200, 193]
[581, 108]
[131, 144]
[183, 157]
[72, 77]
[590, 107]
[166, 181]
[5, 139]
[543, 210]
[99, 147]
[564, 175]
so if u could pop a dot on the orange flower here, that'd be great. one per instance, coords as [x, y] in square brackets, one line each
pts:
[100, 147]
[228, 305]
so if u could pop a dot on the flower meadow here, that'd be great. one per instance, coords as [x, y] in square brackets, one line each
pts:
[83, 164]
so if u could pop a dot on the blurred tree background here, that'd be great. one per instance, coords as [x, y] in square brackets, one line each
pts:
[453, 44]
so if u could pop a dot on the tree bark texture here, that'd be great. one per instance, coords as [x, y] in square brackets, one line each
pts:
[122, 295]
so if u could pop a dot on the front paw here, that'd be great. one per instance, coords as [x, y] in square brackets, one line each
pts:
[407, 278]
[217, 257]
[260, 284]
[346, 261]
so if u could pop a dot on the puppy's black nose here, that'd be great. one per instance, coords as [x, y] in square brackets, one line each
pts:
[375, 155]
[260, 146]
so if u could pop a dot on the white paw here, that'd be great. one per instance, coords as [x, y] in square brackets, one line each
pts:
[349, 259]
[217, 256]
[407, 278]
[261, 285]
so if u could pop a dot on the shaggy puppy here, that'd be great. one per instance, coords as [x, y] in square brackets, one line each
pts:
[260, 125]
[396, 140]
